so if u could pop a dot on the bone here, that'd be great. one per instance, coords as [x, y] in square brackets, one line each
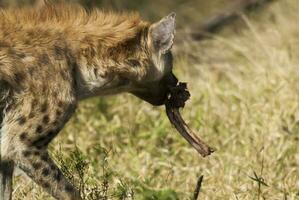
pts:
[178, 96]
[175, 118]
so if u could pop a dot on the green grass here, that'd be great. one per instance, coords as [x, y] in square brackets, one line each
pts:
[245, 103]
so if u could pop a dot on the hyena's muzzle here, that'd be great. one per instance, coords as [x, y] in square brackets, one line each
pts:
[156, 93]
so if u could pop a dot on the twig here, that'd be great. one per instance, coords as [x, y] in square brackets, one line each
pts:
[198, 187]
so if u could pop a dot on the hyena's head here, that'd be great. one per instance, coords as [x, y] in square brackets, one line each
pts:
[158, 62]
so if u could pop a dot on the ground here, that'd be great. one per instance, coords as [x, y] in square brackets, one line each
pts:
[245, 103]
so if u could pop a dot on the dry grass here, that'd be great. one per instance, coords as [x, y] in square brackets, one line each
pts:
[245, 103]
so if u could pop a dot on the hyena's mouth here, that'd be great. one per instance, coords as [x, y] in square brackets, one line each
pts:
[178, 95]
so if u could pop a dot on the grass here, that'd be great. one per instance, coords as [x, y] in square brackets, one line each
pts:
[245, 103]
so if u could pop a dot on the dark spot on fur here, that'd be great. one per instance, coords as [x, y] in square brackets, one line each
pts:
[27, 42]
[39, 129]
[59, 52]
[31, 115]
[19, 77]
[45, 157]
[58, 176]
[21, 120]
[53, 167]
[36, 153]
[44, 107]
[55, 94]
[69, 188]
[37, 165]
[44, 87]
[31, 33]
[34, 102]
[39, 147]
[95, 71]
[60, 104]
[133, 63]
[45, 172]
[46, 119]
[23, 136]
[6, 33]
[31, 71]
[45, 184]
[51, 134]
[74, 66]
[58, 113]
[44, 59]
[26, 153]
[56, 122]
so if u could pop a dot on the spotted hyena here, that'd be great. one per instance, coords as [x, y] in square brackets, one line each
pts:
[55, 56]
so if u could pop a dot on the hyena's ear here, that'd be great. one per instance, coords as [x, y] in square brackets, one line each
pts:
[162, 33]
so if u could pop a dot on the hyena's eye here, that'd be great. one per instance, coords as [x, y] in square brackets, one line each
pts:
[133, 63]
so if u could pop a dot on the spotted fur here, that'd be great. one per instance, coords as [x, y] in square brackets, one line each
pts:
[54, 56]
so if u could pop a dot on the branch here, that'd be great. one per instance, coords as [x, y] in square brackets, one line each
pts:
[231, 13]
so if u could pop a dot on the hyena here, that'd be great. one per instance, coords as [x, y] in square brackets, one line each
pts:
[57, 55]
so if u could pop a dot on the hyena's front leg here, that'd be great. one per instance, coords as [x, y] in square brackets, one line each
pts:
[6, 173]
[37, 164]
[29, 127]
[6, 168]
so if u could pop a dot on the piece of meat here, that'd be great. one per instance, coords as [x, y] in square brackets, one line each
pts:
[178, 95]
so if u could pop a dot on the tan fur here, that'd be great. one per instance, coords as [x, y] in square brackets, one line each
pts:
[52, 57]
[106, 35]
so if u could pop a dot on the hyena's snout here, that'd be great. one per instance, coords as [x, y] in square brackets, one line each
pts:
[156, 93]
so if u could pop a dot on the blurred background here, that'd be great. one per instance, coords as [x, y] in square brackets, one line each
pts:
[146, 8]
[244, 82]
[190, 11]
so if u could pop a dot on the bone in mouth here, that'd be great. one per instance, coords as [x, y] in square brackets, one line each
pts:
[177, 98]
